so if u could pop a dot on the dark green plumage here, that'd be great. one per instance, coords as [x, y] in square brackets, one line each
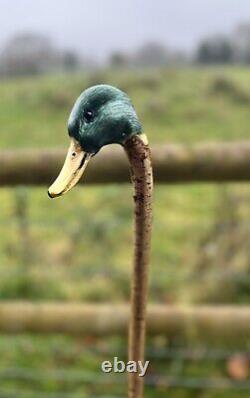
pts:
[102, 115]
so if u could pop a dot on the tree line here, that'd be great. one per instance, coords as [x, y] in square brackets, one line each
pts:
[35, 54]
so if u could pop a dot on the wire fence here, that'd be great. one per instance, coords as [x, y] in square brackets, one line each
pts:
[159, 380]
[73, 378]
[169, 364]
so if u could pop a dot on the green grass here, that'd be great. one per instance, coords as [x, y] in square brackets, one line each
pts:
[80, 247]
[183, 105]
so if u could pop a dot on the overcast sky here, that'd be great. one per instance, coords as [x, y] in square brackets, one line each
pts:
[96, 27]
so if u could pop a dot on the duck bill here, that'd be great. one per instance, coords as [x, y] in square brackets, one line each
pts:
[73, 168]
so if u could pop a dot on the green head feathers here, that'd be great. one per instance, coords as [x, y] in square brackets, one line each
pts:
[102, 115]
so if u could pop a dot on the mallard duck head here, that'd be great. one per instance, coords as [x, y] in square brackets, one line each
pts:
[102, 115]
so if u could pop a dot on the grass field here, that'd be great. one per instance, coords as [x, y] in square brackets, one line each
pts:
[199, 230]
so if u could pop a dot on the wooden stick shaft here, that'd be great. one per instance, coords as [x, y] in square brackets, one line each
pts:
[140, 159]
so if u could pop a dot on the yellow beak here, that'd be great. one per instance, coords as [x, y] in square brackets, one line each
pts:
[73, 168]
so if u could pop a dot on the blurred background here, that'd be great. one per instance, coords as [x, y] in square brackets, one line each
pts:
[186, 66]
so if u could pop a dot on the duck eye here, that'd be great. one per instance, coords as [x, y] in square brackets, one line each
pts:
[88, 116]
[73, 154]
